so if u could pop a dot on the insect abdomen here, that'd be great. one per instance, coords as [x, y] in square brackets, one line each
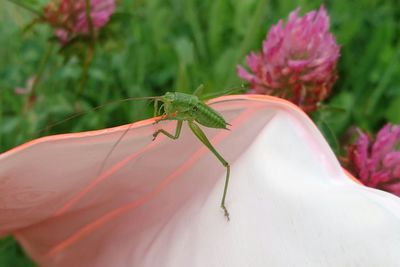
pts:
[208, 117]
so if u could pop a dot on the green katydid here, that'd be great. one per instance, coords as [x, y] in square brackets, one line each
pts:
[184, 107]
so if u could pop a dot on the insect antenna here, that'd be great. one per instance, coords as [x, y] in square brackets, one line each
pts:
[81, 113]
[120, 138]
[109, 153]
[160, 108]
[112, 150]
[235, 89]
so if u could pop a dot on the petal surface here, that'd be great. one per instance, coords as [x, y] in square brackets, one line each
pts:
[156, 203]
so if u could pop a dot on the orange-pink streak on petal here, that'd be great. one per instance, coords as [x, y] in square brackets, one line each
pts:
[103, 177]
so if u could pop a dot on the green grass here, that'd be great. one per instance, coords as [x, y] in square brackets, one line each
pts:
[155, 46]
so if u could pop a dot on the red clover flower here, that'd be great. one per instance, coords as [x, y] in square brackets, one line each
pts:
[297, 62]
[68, 17]
[376, 163]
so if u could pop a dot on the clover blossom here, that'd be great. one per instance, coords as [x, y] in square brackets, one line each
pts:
[297, 61]
[68, 17]
[376, 163]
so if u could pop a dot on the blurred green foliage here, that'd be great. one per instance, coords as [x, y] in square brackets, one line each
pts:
[11, 254]
[155, 46]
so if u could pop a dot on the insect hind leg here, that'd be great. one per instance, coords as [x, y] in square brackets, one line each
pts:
[203, 138]
[228, 171]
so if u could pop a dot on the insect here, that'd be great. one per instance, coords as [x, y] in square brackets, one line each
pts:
[185, 107]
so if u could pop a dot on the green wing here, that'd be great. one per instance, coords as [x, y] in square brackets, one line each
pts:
[199, 90]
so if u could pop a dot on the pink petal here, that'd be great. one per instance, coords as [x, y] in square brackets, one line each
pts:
[362, 156]
[62, 35]
[297, 65]
[157, 203]
[385, 141]
[391, 159]
[244, 74]
[253, 60]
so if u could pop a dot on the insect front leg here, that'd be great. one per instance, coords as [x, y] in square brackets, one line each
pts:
[177, 131]
[157, 110]
[203, 138]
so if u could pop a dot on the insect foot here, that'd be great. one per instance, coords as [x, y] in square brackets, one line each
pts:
[226, 213]
[155, 135]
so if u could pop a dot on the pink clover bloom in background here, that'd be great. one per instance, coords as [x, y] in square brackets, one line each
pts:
[297, 61]
[377, 162]
[68, 17]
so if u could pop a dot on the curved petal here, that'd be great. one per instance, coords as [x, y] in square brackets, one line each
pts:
[157, 203]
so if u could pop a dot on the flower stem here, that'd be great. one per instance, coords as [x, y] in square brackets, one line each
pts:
[45, 59]
[90, 22]
[86, 67]
[90, 51]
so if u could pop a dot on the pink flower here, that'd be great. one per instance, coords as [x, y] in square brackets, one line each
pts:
[156, 203]
[68, 17]
[377, 162]
[297, 62]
